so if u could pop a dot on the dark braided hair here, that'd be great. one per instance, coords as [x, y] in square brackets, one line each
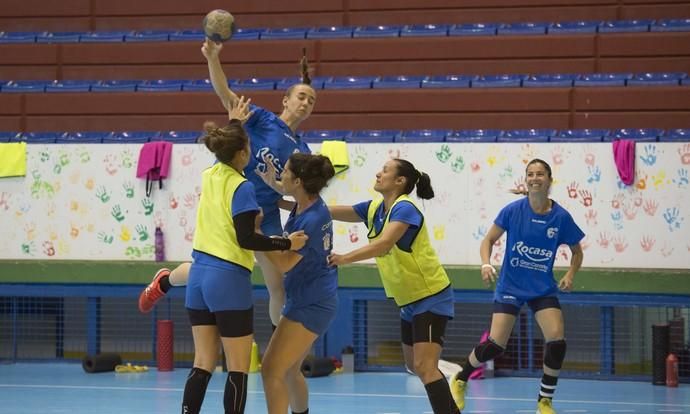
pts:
[415, 178]
[304, 73]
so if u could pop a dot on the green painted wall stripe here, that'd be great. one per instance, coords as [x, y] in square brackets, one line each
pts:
[365, 276]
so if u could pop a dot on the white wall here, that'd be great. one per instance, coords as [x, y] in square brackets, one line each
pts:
[83, 202]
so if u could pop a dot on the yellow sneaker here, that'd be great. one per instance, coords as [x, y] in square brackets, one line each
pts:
[544, 406]
[458, 389]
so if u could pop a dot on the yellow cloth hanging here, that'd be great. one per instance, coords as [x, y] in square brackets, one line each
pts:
[336, 151]
[13, 159]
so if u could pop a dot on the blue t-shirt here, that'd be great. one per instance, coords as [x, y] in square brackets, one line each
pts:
[311, 280]
[269, 136]
[531, 245]
[403, 211]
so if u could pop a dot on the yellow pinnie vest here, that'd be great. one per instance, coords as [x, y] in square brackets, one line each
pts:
[215, 229]
[408, 276]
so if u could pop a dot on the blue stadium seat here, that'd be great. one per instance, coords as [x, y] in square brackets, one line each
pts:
[522, 29]
[255, 84]
[330, 32]
[161, 85]
[398, 82]
[639, 134]
[115, 86]
[103, 37]
[6, 136]
[423, 135]
[472, 29]
[558, 80]
[373, 135]
[656, 79]
[474, 135]
[132, 137]
[285, 33]
[325, 135]
[622, 26]
[603, 79]
[87, 137]
[498, 81]
[187, 36]
[69, 86]
[448, 81]
[24, 86]
[59, 37]
[376, 31]
[424, 30]
[676, 135]
[671, 25]
[578, 27]
[19, 37]
[248, 33]
[179, 137]
[38, 137]
[527, 135]
[580, 135]
[316, 82]
[685, 82]
[148, 36]
[350, 82]
[198, 85]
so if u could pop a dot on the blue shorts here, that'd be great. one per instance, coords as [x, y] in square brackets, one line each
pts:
[316, 317]
[217, 289]
[271, 225]
[507, 303]
[440, 304]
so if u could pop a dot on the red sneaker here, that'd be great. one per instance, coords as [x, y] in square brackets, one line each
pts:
[153, 292]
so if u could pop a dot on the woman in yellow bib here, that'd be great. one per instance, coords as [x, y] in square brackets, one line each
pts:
[410, 271]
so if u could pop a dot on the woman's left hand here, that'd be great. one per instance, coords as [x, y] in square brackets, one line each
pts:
[240, 110]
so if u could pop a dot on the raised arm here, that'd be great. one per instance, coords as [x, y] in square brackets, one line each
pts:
[392, 232]
[211, 52]
[344, 213]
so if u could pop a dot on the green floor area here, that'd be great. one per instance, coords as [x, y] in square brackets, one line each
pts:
[661, 281]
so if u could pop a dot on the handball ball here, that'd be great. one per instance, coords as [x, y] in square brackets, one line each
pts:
[219, 25]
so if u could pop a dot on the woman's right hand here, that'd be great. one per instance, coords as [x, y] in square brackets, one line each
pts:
[297, 240]
[488, 274]
[211, 49]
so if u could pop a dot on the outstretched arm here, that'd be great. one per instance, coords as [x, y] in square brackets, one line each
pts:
[393, 231]
[211, 51]
[344, 213]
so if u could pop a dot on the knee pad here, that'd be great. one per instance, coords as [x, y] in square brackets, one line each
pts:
[555, 354]
[488, 350]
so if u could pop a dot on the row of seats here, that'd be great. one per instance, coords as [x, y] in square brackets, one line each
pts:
[416, 136]
[358, 82]
[340, 32]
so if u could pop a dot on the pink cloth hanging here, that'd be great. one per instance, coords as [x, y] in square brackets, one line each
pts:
[624, 157]
[154, 163]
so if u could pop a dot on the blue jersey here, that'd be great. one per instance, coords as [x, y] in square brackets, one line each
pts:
[403, 211]
[531, 245]
[311, 280]
[269, 136]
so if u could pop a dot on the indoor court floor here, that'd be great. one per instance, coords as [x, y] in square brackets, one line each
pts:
[45, 388]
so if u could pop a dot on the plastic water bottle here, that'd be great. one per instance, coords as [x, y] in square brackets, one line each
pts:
[159, 245]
